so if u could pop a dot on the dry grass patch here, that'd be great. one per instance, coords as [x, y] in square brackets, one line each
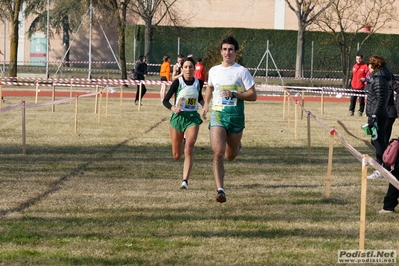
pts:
[109, 195]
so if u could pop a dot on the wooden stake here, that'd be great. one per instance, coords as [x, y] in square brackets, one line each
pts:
[362, 233]
[303, 103]
[289, 109]
[53, 98]
[309, 136]
[329, 167]
[106, 101]
[96, 100]
[322, 101]
[37, 91]
[76, 116]
[120, 100]
[296, 119]
[139, 103]
[99, 108]
[284, 99]
[23, 128]
[70, 91]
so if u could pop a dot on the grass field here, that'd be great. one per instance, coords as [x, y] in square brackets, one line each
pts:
[110, 194]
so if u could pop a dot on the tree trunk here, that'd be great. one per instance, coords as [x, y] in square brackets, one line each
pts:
[65, 37]
[121, 22]
[300, 49]
[147, 40]
[122, 55]
[14, 36]
[346, 67]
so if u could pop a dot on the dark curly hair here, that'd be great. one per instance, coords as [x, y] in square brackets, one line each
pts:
[377, 62]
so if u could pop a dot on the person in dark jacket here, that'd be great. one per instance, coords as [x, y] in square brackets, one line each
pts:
[391, 198]
[376, 108]
[392, 112]
[140, 69]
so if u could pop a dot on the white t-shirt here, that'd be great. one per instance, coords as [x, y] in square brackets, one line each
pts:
[235, 78]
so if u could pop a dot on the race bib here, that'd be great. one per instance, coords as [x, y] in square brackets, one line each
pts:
[223, 101]
[226, 101]
[189, 104]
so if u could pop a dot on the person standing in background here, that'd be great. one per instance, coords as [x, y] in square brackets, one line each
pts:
[177, 73]
[376, 109]
[392, 112]
[199, 72]
[165, 75]
[359, 72]
[140, 70]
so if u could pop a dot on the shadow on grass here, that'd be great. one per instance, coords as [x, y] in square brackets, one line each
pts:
[116, 158]
[106, 153]
[154, 225]
[367, 143]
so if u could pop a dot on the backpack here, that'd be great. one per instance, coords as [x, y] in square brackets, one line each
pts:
[391, 153]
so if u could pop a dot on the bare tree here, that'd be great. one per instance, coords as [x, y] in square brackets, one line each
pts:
[345, 21]
[153, 12]
[12, 8]
[65, 17]
[307, 11]
[118, 9]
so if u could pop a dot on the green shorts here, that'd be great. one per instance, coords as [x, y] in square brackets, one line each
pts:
[184, 120]
[233, 124]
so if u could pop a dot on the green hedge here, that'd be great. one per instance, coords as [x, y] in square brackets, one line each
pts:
[253, 43]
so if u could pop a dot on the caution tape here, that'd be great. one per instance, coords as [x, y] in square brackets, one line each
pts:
[388, 175]
[310, 79]
[318, 90]
[61, 101]
[85, 82]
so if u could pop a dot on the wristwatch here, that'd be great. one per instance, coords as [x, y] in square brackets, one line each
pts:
[233, 94]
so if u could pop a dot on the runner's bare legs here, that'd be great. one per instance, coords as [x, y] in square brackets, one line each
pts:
[191, 138]
[223, 145]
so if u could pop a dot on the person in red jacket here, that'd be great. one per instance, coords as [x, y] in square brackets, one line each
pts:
[199, 71]
[359, 72]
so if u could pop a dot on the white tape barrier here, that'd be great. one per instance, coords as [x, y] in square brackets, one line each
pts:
[84, 82]
[390, 178]
[9, 108]
[61, 101]
[77, 82]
